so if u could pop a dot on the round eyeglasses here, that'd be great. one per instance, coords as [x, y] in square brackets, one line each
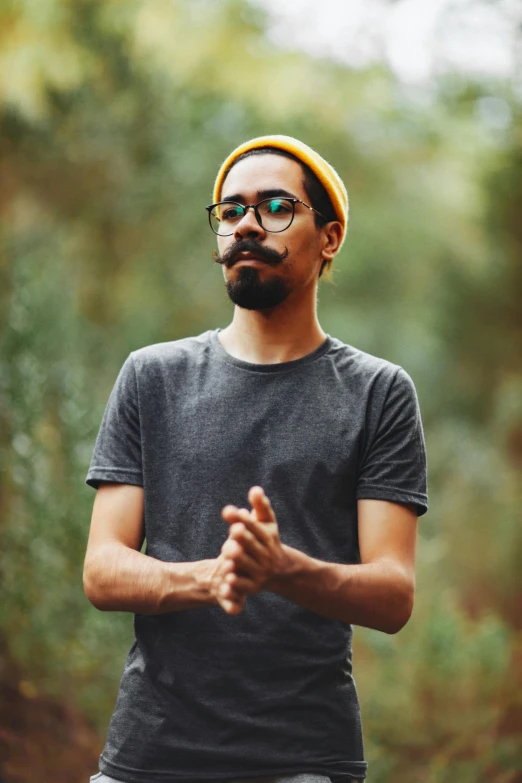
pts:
[272, 214]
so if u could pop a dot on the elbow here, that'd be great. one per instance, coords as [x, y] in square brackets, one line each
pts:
[397, 623]
[402, 607]
[91, 587]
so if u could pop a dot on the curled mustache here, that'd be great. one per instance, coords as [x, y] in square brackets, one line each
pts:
[267, 254]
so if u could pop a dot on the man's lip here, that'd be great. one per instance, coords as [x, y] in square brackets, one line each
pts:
[248, 257]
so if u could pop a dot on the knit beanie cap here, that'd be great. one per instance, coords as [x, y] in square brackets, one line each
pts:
[323, 170]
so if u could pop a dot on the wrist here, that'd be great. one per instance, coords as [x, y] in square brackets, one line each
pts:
[287, 567]
[186, 586]
[203, 572]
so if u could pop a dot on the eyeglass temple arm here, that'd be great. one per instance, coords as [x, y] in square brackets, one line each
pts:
[312, 208]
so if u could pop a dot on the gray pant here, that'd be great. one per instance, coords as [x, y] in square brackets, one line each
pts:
[305, 777]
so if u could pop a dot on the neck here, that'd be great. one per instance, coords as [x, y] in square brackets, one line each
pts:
[282, 334]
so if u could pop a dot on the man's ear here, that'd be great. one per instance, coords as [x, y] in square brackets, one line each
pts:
[333, 234]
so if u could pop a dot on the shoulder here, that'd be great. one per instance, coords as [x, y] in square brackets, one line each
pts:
[360, 364]
[168, 356]
[370, 376]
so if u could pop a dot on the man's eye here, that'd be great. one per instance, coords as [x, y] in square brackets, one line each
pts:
[232, 213]
[278, 207]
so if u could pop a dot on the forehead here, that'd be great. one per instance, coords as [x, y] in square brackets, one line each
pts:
[260, 173]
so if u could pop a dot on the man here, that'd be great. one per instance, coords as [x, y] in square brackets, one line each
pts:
[276, 474]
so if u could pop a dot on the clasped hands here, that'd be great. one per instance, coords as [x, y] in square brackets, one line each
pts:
[251, 556]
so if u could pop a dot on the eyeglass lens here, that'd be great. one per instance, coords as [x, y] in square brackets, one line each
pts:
[274, 214]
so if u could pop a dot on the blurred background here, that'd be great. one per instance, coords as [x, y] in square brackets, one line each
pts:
[114, 118]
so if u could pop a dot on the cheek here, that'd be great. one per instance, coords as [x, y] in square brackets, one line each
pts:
[222, 244]
[304, 250]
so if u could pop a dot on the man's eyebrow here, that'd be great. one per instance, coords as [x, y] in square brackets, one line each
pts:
[261, 194]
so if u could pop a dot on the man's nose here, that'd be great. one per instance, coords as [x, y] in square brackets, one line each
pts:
[248, 226]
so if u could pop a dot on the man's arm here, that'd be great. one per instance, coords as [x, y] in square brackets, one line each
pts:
[118, 577]
[377, 594]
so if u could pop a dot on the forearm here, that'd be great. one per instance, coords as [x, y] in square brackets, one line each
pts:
[120, 579]
[375, 595]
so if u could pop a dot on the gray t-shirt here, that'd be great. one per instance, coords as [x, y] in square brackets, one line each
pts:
[206, 695]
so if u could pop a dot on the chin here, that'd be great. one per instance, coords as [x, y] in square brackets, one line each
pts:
[251, 293]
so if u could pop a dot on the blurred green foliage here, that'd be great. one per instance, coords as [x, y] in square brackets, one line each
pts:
[114, 119]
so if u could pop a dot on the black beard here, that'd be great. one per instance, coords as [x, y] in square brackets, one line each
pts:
[248, 291]
[251, 293]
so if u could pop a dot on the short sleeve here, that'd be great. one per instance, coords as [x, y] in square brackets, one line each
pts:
[117, 451]
[394, 460]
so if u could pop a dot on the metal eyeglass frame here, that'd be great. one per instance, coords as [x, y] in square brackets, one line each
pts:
[255, 207]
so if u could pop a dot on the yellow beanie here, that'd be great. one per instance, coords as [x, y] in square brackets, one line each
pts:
[324, 172]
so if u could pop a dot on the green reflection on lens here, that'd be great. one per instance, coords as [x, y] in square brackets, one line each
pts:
[278, 206]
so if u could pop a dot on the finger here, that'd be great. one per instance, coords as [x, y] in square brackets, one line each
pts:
[240, 518]
[252, 536]
[230, 592]
[228, 566]
[257, 529]
[242, 584]
[243, 519]
[261, 505]
[243, 560]
[230, 513]
[231, 607]
[241, 588]
[231, 600]
[227, 595]
[236, 530]
[251, 544]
